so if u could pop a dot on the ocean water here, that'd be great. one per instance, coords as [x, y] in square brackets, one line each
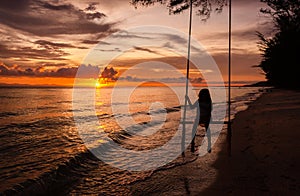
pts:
[43, 150]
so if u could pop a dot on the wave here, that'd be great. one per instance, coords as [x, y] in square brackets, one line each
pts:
[69, 102]
[62, 179]
[8, 114]
[53, 122]
[59, 179]
[9, 97]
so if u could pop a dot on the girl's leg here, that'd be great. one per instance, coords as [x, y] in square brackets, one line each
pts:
[208, 134]
[193, 136]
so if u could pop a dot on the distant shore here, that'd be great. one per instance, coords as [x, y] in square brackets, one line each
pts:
[233, 84]
[265, 155]
[259, 84]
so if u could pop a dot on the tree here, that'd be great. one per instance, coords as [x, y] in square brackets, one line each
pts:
[204, 7]
[281, 52]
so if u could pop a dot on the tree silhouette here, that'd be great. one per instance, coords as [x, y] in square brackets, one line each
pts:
[281, 52]
[204, 7]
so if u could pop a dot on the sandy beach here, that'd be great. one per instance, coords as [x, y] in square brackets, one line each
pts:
[265, 156]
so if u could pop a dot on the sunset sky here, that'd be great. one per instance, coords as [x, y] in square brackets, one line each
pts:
[44, 42]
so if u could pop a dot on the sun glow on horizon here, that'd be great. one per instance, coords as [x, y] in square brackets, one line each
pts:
[103, 82]
[97, 84]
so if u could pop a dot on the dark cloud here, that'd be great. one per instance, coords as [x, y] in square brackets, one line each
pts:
[65, 72]
[89, 41]
[49, 64]
[91, 7]
[109, 74]
[14, 5]
[15, 71]
[169, 45]
[96, 15]
[110, 50]
[62, 72]
[146, 50]
[173, 41]
[49, 18]
[166, 80]
[174, 38]
[94, 42]
[59, 7]
[31, 53]
[127, 35]
[53, 45]
[175, 47]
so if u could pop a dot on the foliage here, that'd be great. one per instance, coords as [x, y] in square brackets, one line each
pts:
[204, 7]
[281, 52]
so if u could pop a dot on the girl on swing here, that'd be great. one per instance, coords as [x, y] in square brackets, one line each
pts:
[204, 108]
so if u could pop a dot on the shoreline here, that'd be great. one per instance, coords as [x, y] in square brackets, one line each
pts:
[264, 155]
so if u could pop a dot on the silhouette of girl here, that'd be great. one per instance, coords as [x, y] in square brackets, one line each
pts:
[204, 108]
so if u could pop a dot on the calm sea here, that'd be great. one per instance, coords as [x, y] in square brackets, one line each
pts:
[42, 151]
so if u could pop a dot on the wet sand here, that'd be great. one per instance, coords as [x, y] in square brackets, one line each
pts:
[265, 156]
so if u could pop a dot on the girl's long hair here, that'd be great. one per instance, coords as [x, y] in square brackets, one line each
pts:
[204, 96]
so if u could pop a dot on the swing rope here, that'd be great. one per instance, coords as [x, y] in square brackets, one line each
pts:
[229, 131]
[187, 79]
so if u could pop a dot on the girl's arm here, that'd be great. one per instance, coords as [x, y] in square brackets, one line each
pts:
[189, 101]
[192, 106]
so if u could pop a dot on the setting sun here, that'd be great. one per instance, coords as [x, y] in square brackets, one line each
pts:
[102, 82]
[97, 84]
